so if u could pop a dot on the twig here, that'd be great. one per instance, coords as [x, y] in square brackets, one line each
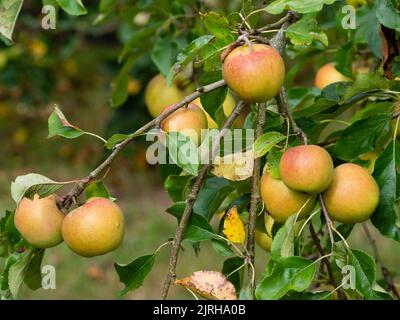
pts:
[176, 244]
[385, 272]
[290, 17]
[255, 197]
[327, 218]
[69, 199]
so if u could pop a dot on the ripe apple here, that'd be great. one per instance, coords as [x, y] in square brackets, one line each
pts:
[353, 194]
[39, 221]
[306, 168]
[228, 106]
[263, 239]
[159, 94]
[282, 202]
[95, 228]
[327, 75]
[256, 73]
[189, 121]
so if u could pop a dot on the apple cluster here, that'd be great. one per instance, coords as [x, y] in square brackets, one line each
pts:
[95, 228]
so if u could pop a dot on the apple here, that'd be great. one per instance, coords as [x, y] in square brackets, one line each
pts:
[282, 202]
[353, 194]
[327, 75]
[306, 168]
[39, 221]
[256, 73]
[189, 121]
[159, 94]
[95, 228]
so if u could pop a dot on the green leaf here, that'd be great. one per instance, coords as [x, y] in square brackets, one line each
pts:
[305, 31]
[228, 268]
[222, 248]
[188, 54]
[18, 271]
[119, 85]
[8, 229]
[388, 13]
[362, 136]
[32, 183]
[73, 7]
[9, 11]
[300, 6]
[283, 243]
[211, 196]
[266, 142]
[218, 25]
[33, 276]
[183, 152]
[60, 126]
[134, 273]
[344, 58]
[177, 185]
[213, 100]
[115, 139]
[344, 230]
[163, 54]
[288, 274]
[367, 83]
[368, 30]
[385, 217]
[365, 272]
[97, 189]
[272, 165]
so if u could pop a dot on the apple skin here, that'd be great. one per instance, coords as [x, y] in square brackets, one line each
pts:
[158, 95]
[39, 221]
[263, 239]
[353, 195]
[282, 202]
[189, 121]
[306, 168]
[327, 75]
[95, 228]
[255, 75]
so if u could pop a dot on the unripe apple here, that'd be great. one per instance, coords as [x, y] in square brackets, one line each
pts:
[159, 94]
[256, 73]
[189, 121]
[264, 240]
[228, 106]
[353, 194]
[282, 202]
[327, 75]
[39, 221]
[95, 228]
[306, 168]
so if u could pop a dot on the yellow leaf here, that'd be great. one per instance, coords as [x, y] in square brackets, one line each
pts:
[235, 166]
[210, 285]
[234, 226]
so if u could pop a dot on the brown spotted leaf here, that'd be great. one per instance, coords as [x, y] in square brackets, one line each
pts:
[234, 226]
[59, 125]
[211, 285]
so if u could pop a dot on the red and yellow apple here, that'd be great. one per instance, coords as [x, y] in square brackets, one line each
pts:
[306, 168]
[189, 121]
[256, 73]
[95, 228]
[282, 202]
[39, 221]
[327, 75]
[353, 194]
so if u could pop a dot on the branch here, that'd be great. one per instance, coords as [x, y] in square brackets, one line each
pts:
[290, 17]
[385, 272]
[76, 191]
[327, 218]
[176, 244]
[255, 197]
